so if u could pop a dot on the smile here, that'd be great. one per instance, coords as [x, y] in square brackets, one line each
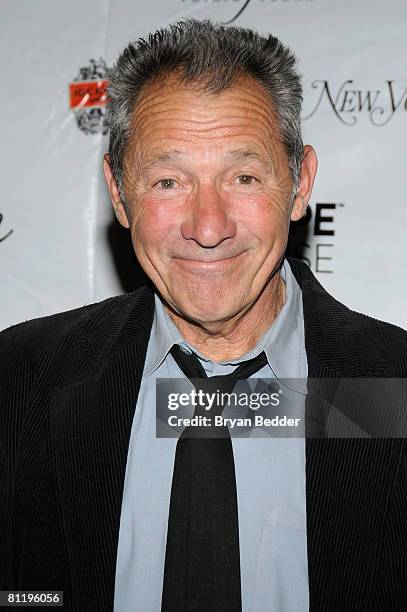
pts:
[207, 263]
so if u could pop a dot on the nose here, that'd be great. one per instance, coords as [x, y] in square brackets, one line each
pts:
[208, 218]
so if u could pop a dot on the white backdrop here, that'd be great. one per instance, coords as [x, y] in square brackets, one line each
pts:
[56, 228]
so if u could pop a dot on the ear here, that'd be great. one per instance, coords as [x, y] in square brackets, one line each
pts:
[309, 167]
[118, 206]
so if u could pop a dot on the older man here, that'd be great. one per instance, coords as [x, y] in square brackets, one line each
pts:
[206, 168]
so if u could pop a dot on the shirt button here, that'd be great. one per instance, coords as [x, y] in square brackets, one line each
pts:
[185, 349]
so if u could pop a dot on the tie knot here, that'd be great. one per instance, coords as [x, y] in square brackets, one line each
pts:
[214, 390]
[193, 369]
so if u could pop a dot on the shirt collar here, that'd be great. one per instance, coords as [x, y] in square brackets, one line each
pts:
[283, 342]
[164, 334]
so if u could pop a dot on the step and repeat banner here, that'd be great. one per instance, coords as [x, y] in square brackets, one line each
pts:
[59, 245]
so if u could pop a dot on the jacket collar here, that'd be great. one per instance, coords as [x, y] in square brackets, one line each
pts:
[333, 332]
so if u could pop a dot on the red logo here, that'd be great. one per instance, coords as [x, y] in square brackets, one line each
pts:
[87, 97]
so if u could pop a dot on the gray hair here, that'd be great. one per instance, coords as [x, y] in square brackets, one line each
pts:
[213, 56]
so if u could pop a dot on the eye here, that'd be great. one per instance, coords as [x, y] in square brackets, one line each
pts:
[246, 179]
[167, 183]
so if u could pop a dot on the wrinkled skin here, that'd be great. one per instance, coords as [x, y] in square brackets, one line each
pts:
[208, 203]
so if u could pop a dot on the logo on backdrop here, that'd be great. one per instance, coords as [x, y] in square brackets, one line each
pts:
[348, 102]
[4, 234]
[239, 6]
[312, 238]
[87, 97]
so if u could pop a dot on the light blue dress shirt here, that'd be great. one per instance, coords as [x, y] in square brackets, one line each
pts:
[270, 478]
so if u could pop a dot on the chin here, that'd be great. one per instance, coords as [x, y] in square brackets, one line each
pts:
[204, 311]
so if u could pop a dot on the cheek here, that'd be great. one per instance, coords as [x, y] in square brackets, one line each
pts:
[264, 215]
[152, 223]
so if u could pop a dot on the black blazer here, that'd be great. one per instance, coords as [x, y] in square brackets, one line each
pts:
[69, 386]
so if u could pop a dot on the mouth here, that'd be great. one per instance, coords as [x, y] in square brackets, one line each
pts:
[207, 263]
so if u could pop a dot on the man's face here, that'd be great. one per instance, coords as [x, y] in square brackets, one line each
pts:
[208, 191]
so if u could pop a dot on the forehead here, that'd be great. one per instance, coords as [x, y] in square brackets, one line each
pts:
[171, 115]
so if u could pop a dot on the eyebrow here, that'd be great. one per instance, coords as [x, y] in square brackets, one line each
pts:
[235, 155]
[245, 154]
[165, 156]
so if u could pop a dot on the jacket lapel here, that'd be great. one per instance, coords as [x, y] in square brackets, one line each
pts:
[347, 480]
[90, 424]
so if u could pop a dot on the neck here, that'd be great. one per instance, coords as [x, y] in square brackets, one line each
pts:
[233, 338]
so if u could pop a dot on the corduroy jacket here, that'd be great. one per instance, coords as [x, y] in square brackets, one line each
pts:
[68, 390]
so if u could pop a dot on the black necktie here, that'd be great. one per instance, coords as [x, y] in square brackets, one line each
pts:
[202, 562]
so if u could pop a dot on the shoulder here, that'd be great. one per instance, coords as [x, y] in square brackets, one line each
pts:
[94, 322]
[390, 339]
[336, 330]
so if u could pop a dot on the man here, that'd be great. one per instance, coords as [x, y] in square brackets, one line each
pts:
[206, 168]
